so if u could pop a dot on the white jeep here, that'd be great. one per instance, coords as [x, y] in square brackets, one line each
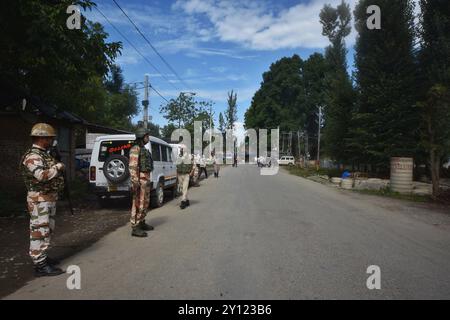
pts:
[286, 161]
[109, 174]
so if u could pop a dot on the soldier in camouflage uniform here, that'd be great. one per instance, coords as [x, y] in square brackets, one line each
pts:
[185, 169]
[44, 180]
[141, 167]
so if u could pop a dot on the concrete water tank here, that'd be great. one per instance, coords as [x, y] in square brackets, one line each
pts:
[402, 175]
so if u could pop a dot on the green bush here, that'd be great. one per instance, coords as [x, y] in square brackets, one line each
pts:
[307, 172]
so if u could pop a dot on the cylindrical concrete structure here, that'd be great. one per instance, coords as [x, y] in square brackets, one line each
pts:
[347, 184]
[402, 175]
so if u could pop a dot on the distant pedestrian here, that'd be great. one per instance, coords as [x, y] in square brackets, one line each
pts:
[203, 167]
[216, 165]
[196, 170]
[185, 169]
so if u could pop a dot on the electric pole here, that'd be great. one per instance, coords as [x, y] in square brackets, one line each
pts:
[146, 103]
[318, 138]
[210, 129]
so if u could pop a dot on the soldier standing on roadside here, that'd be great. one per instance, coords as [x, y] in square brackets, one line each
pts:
[44, 180]
[185, 169]
[141, 167]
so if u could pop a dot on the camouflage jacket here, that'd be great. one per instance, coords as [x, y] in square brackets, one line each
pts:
[184, 165]
[40, 172]
[140, 162]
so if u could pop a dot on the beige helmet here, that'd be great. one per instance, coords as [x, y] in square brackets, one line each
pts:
[42, 130]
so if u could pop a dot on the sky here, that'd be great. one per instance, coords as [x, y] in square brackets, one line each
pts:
[214, 46]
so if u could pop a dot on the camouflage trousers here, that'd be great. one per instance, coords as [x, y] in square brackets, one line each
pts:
[42, 225]
[141, 200]
[183, 182]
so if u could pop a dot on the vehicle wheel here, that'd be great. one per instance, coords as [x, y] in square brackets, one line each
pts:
[159, 195]
[116, 169]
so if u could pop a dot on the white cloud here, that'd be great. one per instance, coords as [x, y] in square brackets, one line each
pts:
[256, 26]
[128, 57]
[218, 95]
[218, 69]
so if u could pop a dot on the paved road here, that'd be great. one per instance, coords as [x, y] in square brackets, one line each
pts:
[248, 236]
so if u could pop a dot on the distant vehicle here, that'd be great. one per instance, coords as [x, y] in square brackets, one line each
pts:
[286, 161]
[109, 174]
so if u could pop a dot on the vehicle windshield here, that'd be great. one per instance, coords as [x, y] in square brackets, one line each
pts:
[119, 147]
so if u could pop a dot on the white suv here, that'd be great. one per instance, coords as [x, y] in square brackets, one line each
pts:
[109, 174]
[286, 160]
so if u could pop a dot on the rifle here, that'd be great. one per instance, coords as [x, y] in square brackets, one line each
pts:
[54, 151]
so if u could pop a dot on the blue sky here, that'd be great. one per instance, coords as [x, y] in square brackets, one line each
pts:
[215, 46]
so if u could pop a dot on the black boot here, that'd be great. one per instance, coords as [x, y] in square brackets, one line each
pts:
[188, 203]
[138, 232]
[44, 269]
[145, 227]
[183, 205]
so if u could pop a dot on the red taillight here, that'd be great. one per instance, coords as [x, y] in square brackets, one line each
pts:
[92, 173]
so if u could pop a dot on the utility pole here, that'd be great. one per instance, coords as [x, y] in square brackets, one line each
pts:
[146, 103]
[210, 129]
[318, 138]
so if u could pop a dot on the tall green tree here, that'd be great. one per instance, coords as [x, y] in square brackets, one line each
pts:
[43, 58]
[166, 131]
[222, 125]
[315, 70]
[339, 91]
[181, 110]
[386, 119]
[115, 82]
[119, 102]
[280, 99]
[231, 112]
[434, 100]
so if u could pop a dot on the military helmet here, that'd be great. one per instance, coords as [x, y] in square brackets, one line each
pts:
[42, 130]
[141, 133]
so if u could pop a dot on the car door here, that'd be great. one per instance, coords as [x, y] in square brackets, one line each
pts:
[167, 166]
[157, 163]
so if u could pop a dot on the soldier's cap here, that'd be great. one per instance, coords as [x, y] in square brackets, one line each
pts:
[141, 132]
[42, 130]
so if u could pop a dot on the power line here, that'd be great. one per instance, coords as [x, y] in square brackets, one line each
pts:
[154, 49]
[159, 94]
[134, 47]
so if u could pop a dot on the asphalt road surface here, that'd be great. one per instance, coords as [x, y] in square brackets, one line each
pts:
[248, 236]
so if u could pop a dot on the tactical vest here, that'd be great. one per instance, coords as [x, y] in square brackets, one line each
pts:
[145, 160]
[55, 185]
[184, 168]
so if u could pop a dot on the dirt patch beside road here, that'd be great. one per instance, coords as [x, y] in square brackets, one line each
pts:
[72, 234]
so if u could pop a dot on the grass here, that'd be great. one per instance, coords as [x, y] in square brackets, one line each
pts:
[307, 172]
[385, 192]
